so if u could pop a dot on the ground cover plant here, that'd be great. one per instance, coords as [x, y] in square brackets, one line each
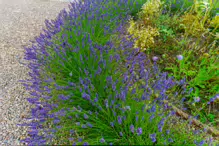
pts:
[91, 83]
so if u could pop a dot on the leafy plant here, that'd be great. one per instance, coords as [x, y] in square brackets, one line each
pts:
[144, 35]
[151, 9]
[141, 30]
[166, 33]
[198, 73]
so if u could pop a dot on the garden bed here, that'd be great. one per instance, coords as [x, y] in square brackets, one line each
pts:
[119, 72]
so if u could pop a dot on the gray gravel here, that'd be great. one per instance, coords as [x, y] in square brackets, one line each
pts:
[20, 21]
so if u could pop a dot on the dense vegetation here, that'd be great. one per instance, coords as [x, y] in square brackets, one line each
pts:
[119, 72]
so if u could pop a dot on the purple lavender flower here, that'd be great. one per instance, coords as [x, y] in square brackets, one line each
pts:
[102, 140]
[71, 138]
[121, 134]
[210, 140]
[114, 86]
[33, 132]
[139, 131]
[80, 139]
[142, 118]
[143, 107]
[109, 79]
[179, 57]
[106, 103]
[182, 82]
[58, 127]
[153, 108]
[173, 6]
[89, 125]
[85, 96]
[143, 97]
[117, 57]
[56, 121]
[136, 118]
[133, 91]
[81, 81]
[183, 99]
[216, 97]
[84, 126]
[112, 102]
[125, 77]
[114, 113]
[201, 143]
[196, 132]
[170, 140]
[86, 72]
[132, 128]
[112, 124]
[85, 144]
[63, 97]
[119, 120]
[211, 100]
[153, 137]
[99, 70]
[123, 95]
[190, 90]
[96, 99]
[72, 131]
[79, 108]
[164, 11]
[78, 123]
[127, 108]
[152, 117]
[161, 124]
[86, 116]
[100, 108]
[90, 112]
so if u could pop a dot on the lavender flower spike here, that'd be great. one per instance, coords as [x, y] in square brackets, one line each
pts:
[139, 131]
[132, 128]
[153, 137]
[121, 134]
[119, 120]
[102, 140]
[86, 116]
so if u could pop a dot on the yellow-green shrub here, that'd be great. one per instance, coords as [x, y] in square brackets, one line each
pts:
[144, 35]
[143, 31]
[151, 9]
[192, 24]
[215, 22]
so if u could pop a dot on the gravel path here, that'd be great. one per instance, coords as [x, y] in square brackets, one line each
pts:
[20, 21]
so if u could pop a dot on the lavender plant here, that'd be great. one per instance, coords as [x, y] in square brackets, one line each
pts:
[87, 90]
